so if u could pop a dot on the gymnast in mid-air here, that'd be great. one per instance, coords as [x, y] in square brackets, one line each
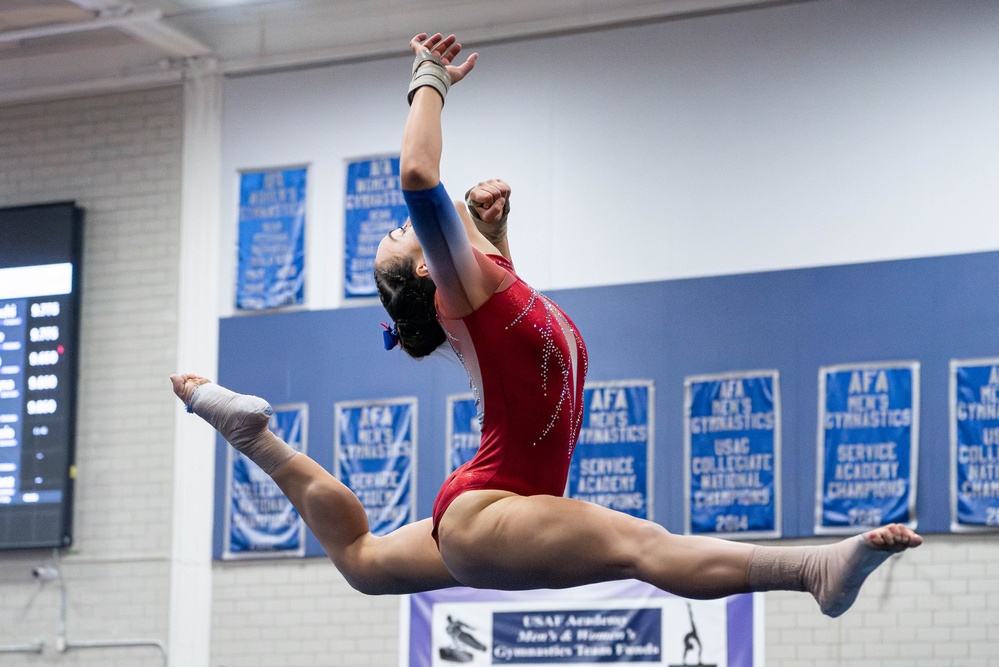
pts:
[500, 521]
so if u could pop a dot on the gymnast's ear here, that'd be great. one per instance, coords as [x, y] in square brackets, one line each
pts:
[421, 269]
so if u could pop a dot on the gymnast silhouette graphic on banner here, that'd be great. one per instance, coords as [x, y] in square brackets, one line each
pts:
[690, 640]
[460, 639]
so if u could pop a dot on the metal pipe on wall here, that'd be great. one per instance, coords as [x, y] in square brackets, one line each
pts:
[35, 647]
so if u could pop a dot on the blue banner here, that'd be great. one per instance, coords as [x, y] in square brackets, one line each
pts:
[974, 444]
[611, 464]
[612, 622]
[579, 636]
[271, 271]
[464, 431]
[732, 455]
[260, 520]
[375, 458]
[868, 446]
[373, 206]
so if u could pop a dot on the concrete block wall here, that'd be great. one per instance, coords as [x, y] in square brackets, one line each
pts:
[117, 156]
[937, 606]
[298, 613]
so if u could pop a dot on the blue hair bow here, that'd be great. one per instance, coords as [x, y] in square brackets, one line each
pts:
[390, 336]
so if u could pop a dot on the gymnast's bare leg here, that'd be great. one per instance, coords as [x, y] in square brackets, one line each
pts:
[404, 561]
[496, 539]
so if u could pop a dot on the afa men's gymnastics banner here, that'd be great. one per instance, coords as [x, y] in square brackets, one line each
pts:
[375, 456]
[260, 521]
[612, 463]
[613, 622]
[464, 431]
[868, 440]
[373, 206]
[271, 270]
[974, 441]
[732, 454]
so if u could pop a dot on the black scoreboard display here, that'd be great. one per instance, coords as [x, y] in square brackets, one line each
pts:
[40, 259]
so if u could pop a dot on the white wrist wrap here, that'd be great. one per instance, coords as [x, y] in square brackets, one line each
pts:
[428, 70]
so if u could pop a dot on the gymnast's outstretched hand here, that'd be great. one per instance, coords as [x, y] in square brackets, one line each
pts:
[445, 48]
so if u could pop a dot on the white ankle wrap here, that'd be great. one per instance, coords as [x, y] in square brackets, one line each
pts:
[242, 420]
[833, 573]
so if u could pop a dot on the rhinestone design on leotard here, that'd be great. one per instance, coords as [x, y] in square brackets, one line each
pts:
[456, 346]
[551, 327]
[550, 350]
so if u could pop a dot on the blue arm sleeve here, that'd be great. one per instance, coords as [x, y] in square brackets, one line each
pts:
[446, 247]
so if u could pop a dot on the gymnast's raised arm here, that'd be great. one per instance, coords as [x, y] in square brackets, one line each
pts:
[465, 279]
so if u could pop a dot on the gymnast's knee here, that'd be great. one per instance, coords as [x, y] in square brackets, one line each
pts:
[642, 547]
[368, 585]
[361, 571]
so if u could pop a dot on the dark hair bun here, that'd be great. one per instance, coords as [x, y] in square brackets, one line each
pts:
[409, 301]
[418, 338]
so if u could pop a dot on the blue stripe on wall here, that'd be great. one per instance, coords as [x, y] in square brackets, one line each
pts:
[930, 310]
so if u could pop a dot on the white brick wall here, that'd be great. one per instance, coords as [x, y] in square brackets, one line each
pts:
[302, 614]
[937, 606]
[117, 156]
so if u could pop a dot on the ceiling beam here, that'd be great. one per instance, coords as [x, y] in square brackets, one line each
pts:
[71, 27]
[166, 39]
[151, 30]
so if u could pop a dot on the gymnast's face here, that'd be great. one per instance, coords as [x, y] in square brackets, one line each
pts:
[399, 244]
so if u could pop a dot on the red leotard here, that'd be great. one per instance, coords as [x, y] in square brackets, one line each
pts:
[526, 363]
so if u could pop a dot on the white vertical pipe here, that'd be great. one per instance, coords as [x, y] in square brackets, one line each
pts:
[197, 352]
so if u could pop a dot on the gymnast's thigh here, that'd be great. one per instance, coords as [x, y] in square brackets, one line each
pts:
[498, 539]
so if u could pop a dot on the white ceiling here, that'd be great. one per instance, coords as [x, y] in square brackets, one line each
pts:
[59, 48]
